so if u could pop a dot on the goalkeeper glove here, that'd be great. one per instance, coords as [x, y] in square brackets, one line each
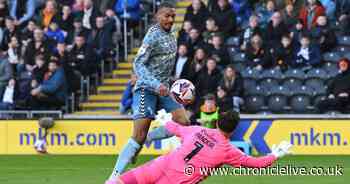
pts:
[281, 150]
[163, 117]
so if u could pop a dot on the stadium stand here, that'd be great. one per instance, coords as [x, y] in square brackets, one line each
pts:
[96, 87]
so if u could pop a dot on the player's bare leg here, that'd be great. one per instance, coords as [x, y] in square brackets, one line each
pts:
[133, 146]
[179, 115]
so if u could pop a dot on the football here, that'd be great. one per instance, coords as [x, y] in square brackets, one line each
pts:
[183, 91]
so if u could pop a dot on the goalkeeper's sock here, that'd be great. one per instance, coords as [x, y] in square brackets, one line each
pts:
[158, 133]
[125, 156]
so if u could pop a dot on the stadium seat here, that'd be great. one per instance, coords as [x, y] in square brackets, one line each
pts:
[292, 83]
[249, 84]
[300, 104]
[280, 90]
[239, 67]
[233, 41]
[257, 90]
[239, 57]
[272, 74]
[251, 73]
[277, 103]
[303, 90]
[342, 50]
[294, 73]
[317, 73]
[347, 55]
[331, 57]
[254, 104]
[331, 69]
[317, 99]
[268, 83]
[232, 51]
[344, 40]
[315, 84]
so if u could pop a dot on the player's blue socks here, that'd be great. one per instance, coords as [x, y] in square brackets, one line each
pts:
[125, 156]
[158, 133]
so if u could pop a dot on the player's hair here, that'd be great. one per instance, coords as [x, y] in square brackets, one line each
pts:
[228, 121]
[165, 4]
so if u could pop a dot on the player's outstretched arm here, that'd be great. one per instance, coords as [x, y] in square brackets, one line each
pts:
[238, 158]
[175, 128]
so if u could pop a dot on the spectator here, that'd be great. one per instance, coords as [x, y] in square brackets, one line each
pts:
[66, 20]
[51, 93]
[22, 11]
[219, 51]
[211, 30]
[28, 32]
[283, 54]
[197, 13]
[323, 35]
[232, 84]
[78, 6]
[40, 45]
[297, 31]
[73, 79]
[183, 64]
[5, 71]
[289, 16]
[342, 13]
[78, 30]
[207, 79]
[104, 5]
[14, 54]
[258, 56]
[184, 33]
[265, 12]
[82, 57]
[338, 90]
[39, 69]
[225, 18]
[55, 33]
[307, 55]
[133, 9]
[4, 12]
[89, 14]
[100, 37]
[195, 42]
[49, 13]
[253, 28]
[10, 31]
[242, 10]
[126, 101]
[112, 17]
[199, 61]
[8, 96]
[275, 29]
[224, 102]
[209, 112]
[310, 12]
[329, 6]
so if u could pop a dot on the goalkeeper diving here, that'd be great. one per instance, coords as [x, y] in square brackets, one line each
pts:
[201, 148]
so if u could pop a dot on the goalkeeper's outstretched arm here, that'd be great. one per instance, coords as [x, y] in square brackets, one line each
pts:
[237, 158]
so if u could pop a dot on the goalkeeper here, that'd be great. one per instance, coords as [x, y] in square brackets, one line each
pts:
[201, 148]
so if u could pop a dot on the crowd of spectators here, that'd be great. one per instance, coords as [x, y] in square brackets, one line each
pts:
[272, 35]
[46, 46]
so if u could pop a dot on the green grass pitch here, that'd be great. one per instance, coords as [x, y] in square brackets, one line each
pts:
[49, 169]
